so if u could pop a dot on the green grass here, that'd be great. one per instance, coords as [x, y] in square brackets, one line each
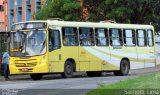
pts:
[150, 81]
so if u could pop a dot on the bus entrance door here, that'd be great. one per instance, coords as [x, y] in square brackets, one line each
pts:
[54, 55]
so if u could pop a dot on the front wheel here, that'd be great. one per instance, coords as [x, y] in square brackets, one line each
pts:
[36, 76]
[68, 70]
[124, 69]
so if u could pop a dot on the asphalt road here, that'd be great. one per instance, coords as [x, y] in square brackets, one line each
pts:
[80, 84]
[55, 85]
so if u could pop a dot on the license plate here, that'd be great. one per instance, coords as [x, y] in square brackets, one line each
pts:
[24, 69]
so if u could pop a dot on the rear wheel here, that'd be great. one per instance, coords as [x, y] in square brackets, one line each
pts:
[94, 74]
[36, 76]
[68, 70]
[124, 69]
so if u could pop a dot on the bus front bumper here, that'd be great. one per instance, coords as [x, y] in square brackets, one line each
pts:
[41, 68]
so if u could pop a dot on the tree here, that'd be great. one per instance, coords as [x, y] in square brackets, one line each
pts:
[125, 11]
[64, 9]
[122, 11]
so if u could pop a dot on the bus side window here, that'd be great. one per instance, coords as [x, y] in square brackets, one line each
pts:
[150, 38]
[101, 36]
[70, 36]
[141, 38]
[129, 37]
[116, 37]
[86, 36]
[54, 39]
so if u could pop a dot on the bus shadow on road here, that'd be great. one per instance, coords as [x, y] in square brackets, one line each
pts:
[55, 76]
[76, 75]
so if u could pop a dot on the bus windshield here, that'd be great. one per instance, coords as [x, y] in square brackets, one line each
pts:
[28, 43]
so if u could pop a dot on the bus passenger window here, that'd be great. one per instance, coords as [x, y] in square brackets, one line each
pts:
[150, 38]
[54, 39]
[141, 38]
[101, 37]
[116, 37]
[65, 41]
[70, 36]
[86, 36]
[129, 37]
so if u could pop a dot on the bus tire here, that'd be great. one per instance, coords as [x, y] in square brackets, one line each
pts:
[36, 76]
[116, 73]
[68, 70]
[94, 74]
[124, 68]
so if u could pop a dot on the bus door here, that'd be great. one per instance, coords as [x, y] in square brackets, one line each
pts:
[102, 50]
[145, 50]
[151, 58]
[130, 49]
[70, 45]
[4, 37]
[54, 55]
[116, 48]
[86, 42]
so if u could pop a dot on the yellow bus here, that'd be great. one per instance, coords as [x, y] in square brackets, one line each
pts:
[65, 47]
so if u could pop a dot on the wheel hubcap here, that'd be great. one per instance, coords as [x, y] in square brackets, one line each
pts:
[125, 67]
[68, 69]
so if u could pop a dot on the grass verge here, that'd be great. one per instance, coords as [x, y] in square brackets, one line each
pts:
[141, 86]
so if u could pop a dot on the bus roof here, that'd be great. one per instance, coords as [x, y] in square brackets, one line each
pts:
[91, 24]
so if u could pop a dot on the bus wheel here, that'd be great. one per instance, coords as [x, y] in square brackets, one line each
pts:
[36, 76]
[124, 69]
[68, 70]
[93, 74]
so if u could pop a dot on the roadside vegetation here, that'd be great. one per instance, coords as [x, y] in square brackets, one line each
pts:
[121, 11]
[142, 83]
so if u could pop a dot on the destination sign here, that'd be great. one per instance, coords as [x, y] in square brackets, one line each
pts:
[31, 25]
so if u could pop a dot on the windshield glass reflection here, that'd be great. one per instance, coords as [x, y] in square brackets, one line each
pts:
[29, 43]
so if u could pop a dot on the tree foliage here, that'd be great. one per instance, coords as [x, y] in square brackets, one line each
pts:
[122, 11]
[125, 11]
[128, 11]
[64, 9]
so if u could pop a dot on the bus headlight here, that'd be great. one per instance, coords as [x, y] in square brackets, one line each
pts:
[42, 60]
[10, 62]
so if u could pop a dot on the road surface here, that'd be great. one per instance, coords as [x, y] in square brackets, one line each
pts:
[55, 85]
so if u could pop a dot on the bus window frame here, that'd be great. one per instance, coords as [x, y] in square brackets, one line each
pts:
[92, 37]
[68, 36]
[133, 38]
[145, 38]
[107, 38]
[59, 47]
[120, 37]
[150, 38]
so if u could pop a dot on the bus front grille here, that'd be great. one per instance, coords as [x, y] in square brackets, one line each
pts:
[31, 64]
